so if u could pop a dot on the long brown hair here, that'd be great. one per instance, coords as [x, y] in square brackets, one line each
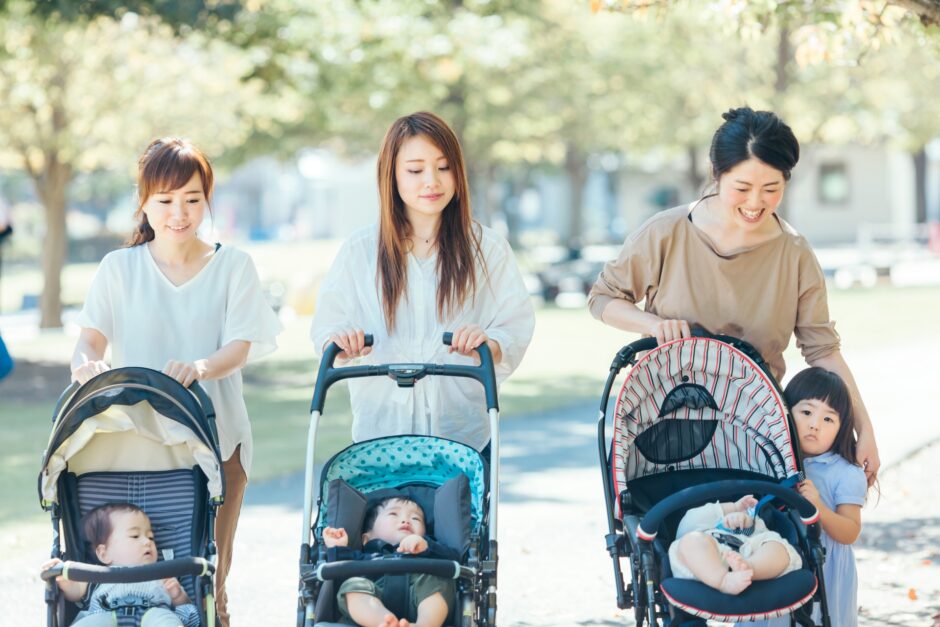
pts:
[458, 240]
[167, 164]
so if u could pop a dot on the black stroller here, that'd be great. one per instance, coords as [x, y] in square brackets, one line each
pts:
[448, 479]
[699, 420]
[134, 435]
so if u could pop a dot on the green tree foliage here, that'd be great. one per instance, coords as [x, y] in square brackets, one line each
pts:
[91, 93]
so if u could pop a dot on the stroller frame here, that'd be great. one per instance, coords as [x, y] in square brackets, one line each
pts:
[632, 538]
[480, 574]
[198, 415]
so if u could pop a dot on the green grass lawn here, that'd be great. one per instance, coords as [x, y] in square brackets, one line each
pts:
[566, 364]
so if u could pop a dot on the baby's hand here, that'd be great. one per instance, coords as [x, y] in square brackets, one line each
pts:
[335, 537]
[55, 561]
[809, 492]
[737, 520]
[413, 544]
[745, 502]
[173, 588]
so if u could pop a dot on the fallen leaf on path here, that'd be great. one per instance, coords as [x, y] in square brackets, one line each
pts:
[912, 594]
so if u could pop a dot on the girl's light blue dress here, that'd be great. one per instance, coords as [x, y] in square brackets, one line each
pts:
[839, 483]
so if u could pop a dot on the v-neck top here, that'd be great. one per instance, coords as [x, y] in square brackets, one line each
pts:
[191, 279]
[763, 294]
[148, 321]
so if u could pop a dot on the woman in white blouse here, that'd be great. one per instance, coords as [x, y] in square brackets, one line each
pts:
[174, 302]
[426, 268]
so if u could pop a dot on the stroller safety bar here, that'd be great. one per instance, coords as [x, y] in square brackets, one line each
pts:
[77, 571]
[696, 495]
[404, 374]
[393, 566]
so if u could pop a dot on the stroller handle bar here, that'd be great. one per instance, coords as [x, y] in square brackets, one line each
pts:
[627, 354]
[696, 495]
[197, 390]
[78, 571]
[404, 374]
[392, 566]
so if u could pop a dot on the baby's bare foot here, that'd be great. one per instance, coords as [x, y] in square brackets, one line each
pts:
[736, 581]
[735, 561]
[389, 621]
[403, 623]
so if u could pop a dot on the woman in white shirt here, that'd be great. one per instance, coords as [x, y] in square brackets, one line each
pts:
[426, 268]
[174, 302]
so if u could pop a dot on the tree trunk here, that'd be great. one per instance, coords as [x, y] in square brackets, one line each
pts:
[576, 169]
[481, 182]
[50, 187]
[695, 178]
[920, 184]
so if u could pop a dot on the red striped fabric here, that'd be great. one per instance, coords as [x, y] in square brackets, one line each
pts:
[752, 431]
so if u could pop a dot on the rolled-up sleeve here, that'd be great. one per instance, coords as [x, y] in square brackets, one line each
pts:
[629, 277]
[815, 333]
[510, 316]
[98, 309]
[249, 317]
[335, 304]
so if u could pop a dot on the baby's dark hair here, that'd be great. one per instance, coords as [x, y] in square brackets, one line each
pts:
[97, 523]
[822, 385]
[372, 512]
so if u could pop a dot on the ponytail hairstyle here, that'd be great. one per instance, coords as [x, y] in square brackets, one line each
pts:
[747, 133]
[458, 239]
[167, 164]
[819, 384]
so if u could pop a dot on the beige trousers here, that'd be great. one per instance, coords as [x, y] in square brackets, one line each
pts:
[225, 523]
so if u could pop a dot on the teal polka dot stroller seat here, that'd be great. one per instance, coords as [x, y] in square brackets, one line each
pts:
[452, 482]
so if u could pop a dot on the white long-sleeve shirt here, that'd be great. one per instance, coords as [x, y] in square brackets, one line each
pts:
[450, 407]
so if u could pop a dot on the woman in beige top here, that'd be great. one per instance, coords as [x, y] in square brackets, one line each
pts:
[728, 264]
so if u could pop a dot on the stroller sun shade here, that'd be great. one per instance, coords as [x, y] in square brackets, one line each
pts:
[126, 420]
[699, 403]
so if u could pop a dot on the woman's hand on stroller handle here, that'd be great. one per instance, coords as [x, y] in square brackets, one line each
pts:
[89, 370]
[352, 343]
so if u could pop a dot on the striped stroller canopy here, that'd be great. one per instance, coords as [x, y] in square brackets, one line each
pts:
[699, 403]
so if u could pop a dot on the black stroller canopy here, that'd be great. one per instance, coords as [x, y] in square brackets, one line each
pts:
[127, 400]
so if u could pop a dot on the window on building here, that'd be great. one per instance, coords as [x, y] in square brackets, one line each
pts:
[833, 184]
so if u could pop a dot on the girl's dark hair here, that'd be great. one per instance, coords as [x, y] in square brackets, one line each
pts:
[167, 164]
[97, 523]
[375, 508]
[822, 385]
[458, 243]
[747, 133]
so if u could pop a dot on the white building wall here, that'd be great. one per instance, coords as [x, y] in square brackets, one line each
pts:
[880, 193]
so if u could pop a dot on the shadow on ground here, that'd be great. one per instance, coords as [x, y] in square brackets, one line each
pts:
[912, 536]
[35, 381]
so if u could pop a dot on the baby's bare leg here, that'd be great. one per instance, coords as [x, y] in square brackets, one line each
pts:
[769, 560]
[368, 610]
[432, 611]
[699, 552]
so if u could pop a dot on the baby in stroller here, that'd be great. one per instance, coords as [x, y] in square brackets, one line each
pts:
[122, 535]
[395, 524]
[727, 547]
